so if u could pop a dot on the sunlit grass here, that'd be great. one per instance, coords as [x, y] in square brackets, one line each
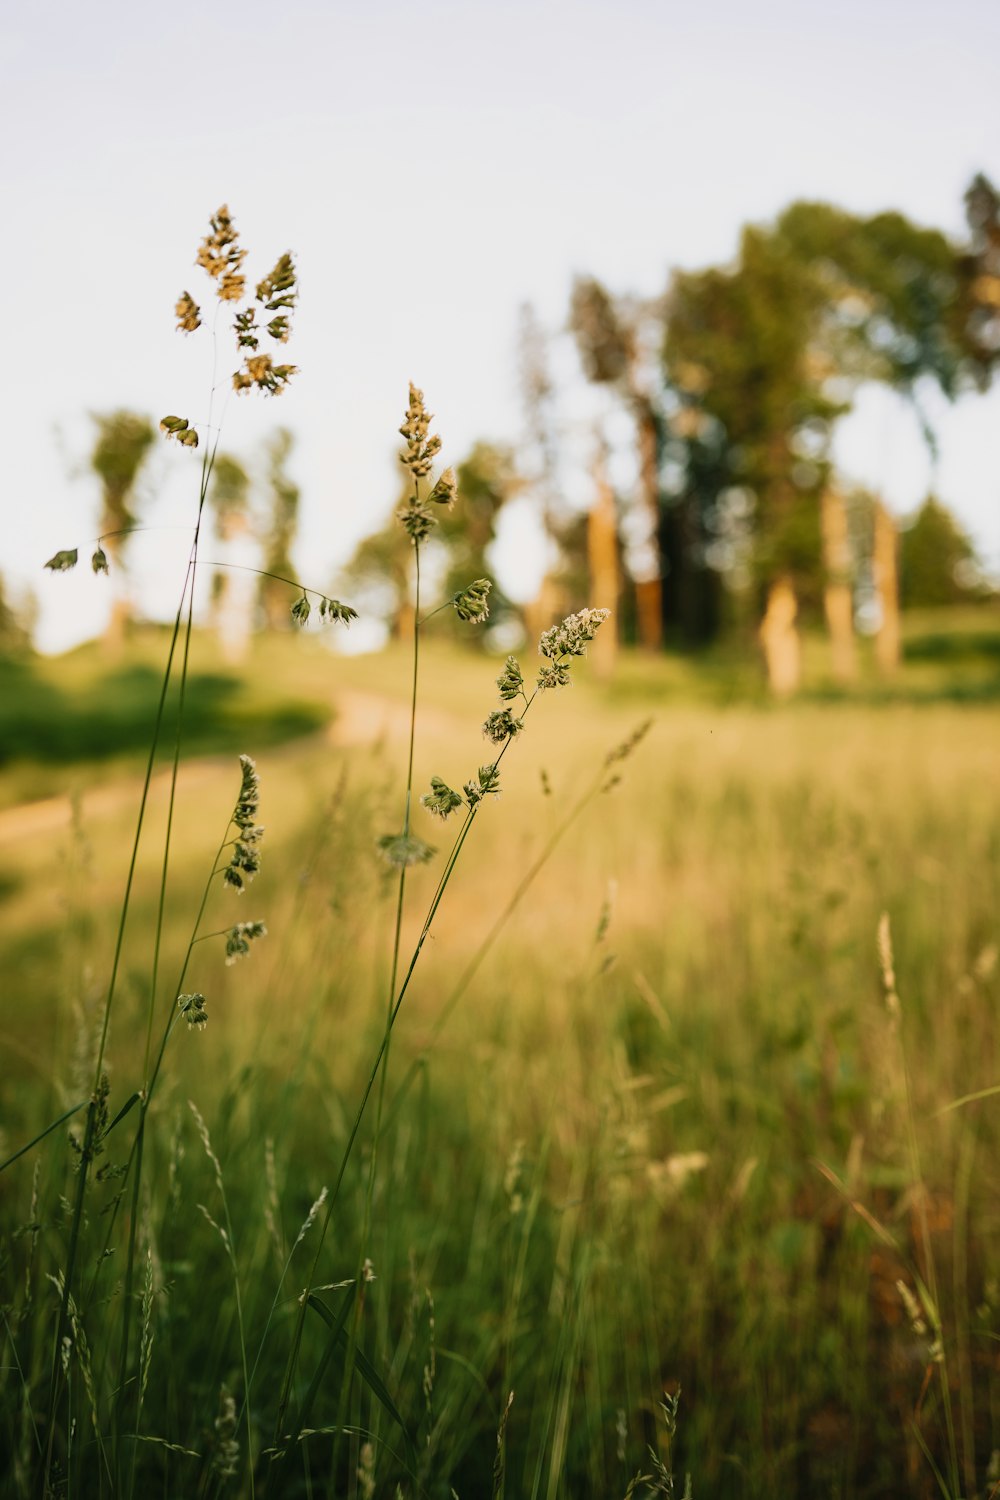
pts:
[610, 1172]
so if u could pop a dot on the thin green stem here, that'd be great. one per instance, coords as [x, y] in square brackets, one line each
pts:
[431, 613]
[212, 562]
[208, 463]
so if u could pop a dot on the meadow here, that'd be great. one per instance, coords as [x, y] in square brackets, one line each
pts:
[684, 1177]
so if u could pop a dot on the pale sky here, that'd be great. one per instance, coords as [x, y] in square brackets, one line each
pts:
[431, 166]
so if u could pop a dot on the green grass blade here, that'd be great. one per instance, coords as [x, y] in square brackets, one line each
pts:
[364, 1367]
[41, 1136]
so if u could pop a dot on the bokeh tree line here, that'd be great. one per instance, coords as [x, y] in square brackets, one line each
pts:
[252, 512]
[731, 519]
[729, 386]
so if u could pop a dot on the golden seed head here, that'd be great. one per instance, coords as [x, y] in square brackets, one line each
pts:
[187, 312]
[220, 255]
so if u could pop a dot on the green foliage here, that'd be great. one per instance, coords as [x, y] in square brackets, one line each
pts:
[108, 715]
[15, 629]
[765, 354]
[486, 481]
[937, 561]
[229, 491]
[979, 270]
[381, 568]
[379, 571]
[121, 446]
[602, 335]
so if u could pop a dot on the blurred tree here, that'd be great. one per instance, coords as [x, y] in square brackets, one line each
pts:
[885, 575]
[228, 495]
[603, 563]
[764, 355]
[486, 481]
[613, 337]
[980, 275]
[232, 588]
[538, 462]
[838, 583]
[751, 417]
[937, 562]
[382, 564]
[379, 574]
[279, 536]
[538, 399]
[121, 446]
[15, 626]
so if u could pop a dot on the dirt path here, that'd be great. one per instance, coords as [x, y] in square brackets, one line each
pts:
[363, 719]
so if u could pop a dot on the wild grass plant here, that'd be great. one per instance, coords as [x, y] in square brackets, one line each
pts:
[299, 1398]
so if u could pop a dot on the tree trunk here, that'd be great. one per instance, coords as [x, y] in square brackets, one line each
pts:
[602, 560]
[120, 618]
[885, 563]
[780, 640]
[233, 589]
[649, 590]
[117, 627]
[838, 602]
[276, 600]
[548, 607]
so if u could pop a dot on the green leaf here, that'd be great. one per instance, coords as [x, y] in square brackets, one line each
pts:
[42, 1134]
[362, 1364]
[61, 562]
[129, 1104]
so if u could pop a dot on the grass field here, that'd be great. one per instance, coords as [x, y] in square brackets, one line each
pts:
[680, 1132]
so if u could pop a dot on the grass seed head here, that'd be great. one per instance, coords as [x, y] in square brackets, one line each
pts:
[239, 938]
[401, 850]
[501, 725]
[441, 800]
[555, 675]
[471, 604]
[221, 256]
[485, 783]
[225, 1448]
[245, 859]
[187, 312]
[511, 680]
[192, 1008]
[445, 492]
[571, 637]
[417, 520]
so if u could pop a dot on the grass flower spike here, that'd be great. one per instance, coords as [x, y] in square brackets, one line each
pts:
[239, 938]
[245, 859]
[440, 800]
[192, 1008]
[501, 725]
[571, 637]
[445, 492]
[486, 783]
[421, 449]
[401, 850]
[470, 604]
[511, 680]
[188, 313]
